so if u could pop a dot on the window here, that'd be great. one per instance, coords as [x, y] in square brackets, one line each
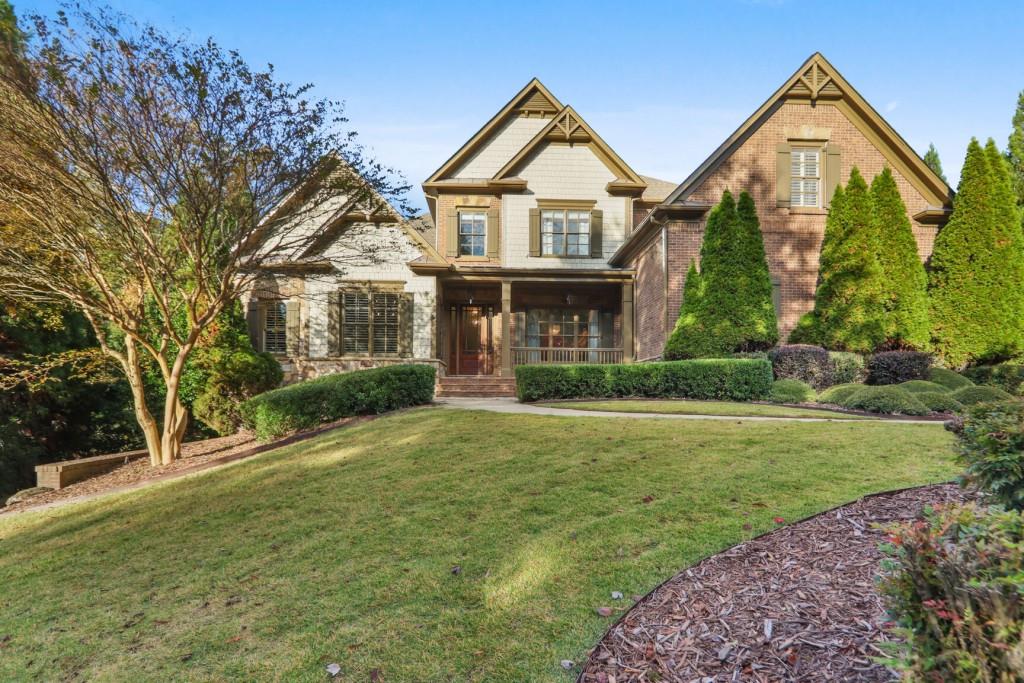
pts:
[805, 177]
[565, 232]
[275, 327]
[568, 328]
[370, 322]
[472, 233]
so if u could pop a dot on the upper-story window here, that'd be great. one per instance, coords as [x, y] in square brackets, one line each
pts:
[275, 327]
[805, 177]
[472, 233]
[565, 232]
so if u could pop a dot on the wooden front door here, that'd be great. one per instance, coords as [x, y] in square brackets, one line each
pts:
[473, 342]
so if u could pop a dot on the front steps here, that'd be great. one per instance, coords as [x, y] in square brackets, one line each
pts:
[477, 386]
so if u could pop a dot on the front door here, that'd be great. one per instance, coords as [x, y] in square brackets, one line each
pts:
[473, 341]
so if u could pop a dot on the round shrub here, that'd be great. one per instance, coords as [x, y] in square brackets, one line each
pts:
[920, 386]
[804, 362]
[980, 394]
[1007, 376]
[949, 379]
[235, 377]
[894, 367]
[791, 391]
[888, 400]
[838, 394]
[939, 401]
[847, 367]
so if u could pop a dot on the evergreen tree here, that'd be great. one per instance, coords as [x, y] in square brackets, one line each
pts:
[904, 282]
[977, 266]
[1015, 151]
[849, 311]
[931, 159]
[732, 310]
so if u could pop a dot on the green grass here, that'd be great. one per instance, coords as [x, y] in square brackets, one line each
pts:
[341, 549]
[684, 407]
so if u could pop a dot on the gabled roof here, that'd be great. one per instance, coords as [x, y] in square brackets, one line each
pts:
[534, 97]
[568, 126]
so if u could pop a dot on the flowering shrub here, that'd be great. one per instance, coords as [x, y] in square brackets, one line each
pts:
[952, 585]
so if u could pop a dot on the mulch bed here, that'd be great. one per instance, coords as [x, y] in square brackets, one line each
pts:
[796, 604]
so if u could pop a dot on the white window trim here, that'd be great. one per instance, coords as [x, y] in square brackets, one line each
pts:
[799, 182]
[458, 232]
[565, 232]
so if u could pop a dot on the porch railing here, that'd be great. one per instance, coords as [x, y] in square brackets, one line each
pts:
[533, 355]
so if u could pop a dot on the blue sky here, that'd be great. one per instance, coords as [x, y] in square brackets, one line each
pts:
[662, 82]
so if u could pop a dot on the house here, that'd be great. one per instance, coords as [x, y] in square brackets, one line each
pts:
[542, 245]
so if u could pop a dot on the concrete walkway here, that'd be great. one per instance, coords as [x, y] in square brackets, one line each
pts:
[511, 405]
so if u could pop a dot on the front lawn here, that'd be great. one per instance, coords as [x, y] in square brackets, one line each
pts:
[687, 407]
[432, 545]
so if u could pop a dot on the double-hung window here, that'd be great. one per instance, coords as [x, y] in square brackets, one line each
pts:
[472, 233]
[275, 327]
[565, 232]
[805, 177]
[370, 322]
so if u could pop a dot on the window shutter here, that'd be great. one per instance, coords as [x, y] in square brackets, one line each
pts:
[493, 227]
[451, 242]
[334, 323]
[534, 232]
[596, 230]
[292, 328]
[406, 324]
[782, 175]
[832, 171]
[252, 318]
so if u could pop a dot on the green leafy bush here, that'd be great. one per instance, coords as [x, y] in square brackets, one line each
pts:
[888, 400]
[949, 379]
[895, 367]
[920, 386]
[325, 399]
[991, 444]
[810, 364]
[980, 394]
[791, 391]
[713, 378]
[1007, 376]
[235, 377]
[838, 394]
[847, 367]
[939, 401]
[951, 584]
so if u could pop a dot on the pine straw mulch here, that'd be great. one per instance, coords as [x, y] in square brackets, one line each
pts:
[796, 604]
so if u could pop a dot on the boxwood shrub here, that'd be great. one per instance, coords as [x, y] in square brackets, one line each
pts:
[949, 379]
[847, 367]
[838, 394]
[365, 392]
[920, 386]
[1007, 376]
[894, 367]
[939, 401]
[888, 400]
[791, 391]
[980, 394]
[734, 379]
[807, 363]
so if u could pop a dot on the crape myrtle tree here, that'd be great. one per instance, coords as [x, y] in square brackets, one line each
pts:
[733, 310]
[146, 180]
[976, 278]
[904, 282]
[931, 159]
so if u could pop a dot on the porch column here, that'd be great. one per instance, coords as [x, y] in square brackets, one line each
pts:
[506, 328]
[627, 323]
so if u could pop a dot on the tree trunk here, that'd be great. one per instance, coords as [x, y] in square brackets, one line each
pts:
[146, 421]
[175, 414]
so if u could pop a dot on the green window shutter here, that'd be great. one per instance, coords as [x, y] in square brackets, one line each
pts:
[334, 323]
[406, 324]
[832, 171]
[292, 328]
[596, 231]
[252, 318]
[782, 175]
[451, 241]
[493, 230]
[534, 232]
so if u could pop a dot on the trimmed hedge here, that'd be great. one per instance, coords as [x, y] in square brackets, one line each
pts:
[939, 401]
[895, 367]
[1007, 376]
[980, 394]
[365, 392]
[888, 400]
[734, 379]
[949, 379]
[920, 386]
[791, 391]
[838, 394]
[847, 367]
[807, 363]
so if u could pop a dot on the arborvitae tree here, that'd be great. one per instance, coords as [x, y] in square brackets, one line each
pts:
[849, 311]
[1015, 151]
[904, 282]
[977, 266]
[732, 310]
[931, 159]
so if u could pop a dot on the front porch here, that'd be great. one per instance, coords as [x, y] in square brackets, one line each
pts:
[488, 326]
